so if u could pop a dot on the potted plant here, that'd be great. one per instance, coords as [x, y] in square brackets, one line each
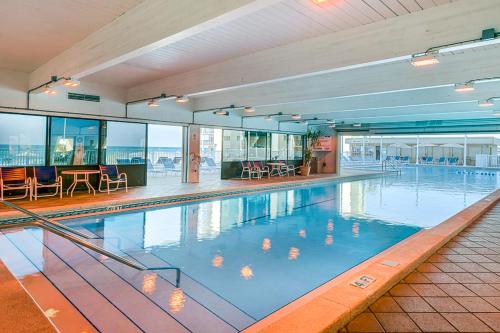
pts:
[312, 139]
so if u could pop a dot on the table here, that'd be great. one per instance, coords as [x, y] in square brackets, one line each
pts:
[276, 166]
[77, 179]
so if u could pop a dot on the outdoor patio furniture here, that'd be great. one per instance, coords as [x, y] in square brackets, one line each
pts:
[406, 159]
[452, 160]
[153, 169]
[261, 168]
[110, 175]
[245, 167]
[46, 177]
[123, 160]
[137, 160]
[14, 178]
[441, 160]
[287, 168]
[168, 164]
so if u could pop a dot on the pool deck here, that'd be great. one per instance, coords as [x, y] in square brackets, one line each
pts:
[338, 303]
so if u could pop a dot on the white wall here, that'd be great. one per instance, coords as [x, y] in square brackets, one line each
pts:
[13, 86]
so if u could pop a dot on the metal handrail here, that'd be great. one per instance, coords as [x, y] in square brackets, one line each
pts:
[55, 227]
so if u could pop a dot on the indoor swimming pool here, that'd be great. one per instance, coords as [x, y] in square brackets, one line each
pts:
[241, 257]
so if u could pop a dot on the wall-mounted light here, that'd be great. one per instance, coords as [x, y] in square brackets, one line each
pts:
[486, 103]
[249, 109]
[182, 99]
[464, 87]
[296, 116]
[153, 103]
[424, 60]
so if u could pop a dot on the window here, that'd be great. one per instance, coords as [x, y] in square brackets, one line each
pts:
[234, 146]
[124, 143]
[257, 146]
[22, 140]
[295, 147]
[278, 146]
[73, 141]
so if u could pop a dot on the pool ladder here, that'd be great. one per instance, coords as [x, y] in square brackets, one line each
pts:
[391, 165]
[77, 237]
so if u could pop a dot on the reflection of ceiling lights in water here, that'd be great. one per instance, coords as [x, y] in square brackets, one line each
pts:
[329, 240]
[217, 261]
[266, 244]
[293, 253]
[329, 225]
[246, 272]
[149, 283]
[177, 300]
[355, 229]
[302, 233]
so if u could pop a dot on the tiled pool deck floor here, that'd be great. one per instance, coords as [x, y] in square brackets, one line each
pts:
[455, 290]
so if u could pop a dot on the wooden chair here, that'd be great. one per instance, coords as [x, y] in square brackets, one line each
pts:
[14, 178]
[110, 175]
[46, 177]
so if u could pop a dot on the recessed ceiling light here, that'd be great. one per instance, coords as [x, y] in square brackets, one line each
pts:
[296, 116]
[182, 99]
[464, 87]
[152, 103]
[249, 109]
[424, 60]
[486, 103]
[319, 2]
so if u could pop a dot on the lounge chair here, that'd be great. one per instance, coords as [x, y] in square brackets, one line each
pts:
[168, 164]
[452, 160]
[406, 159]
[137, 160]
[14, 178]
[46, 177]
[441, 160]
[110, 175]
[430, 159]
[261, 169]
[123, 160]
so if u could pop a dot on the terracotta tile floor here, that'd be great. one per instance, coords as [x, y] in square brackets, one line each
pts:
[455, 290]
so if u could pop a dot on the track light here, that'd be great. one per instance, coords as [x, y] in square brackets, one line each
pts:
[153, 103]
[296, 116]
[486, 103]
[424, 60]
[356, 125]
[70, 83]
[49, 91]
[181, 99]
[221, 113]
[464, 87]
[249, 109]
[268, 118]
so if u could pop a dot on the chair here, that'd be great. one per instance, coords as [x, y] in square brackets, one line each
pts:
[110, 175]
[137, 160]
[441, 160]
[123, 160]
[430, 159]
[287, 168]
[246, 166]
[210, 163]
[14, 178]
[406, 159]
[46, 177]
[261, 169]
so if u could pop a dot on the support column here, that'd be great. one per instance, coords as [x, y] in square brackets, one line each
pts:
[417, 156]
[465, 150]
[193, 158]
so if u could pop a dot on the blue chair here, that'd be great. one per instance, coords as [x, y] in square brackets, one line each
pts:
[46, 177]
[441, 160]
[430, 159]
[123, 160]
[137, 160]
[406, 159]
[110, 175]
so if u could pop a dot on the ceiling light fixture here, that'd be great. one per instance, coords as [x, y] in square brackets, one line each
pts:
[221, 113]
[49, 91]
[268, 118]
[70, 83]
[249, 109]
[356, 125]
[486, 103]
[296, 116]
[153, 103]
[182, 99]
[464, 87]
[424, 60]
[320, 2]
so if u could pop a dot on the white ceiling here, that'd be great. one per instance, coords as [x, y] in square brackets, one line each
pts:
[33, 31]
[282, 23]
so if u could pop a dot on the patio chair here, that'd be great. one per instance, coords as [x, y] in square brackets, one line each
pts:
[123, 160]
[429, 159]
[452, 160]
[247, 167]
[137, 160]
[14, 178]
[152, 169]
[210, 163]
[46, 177]
[441, 160]
[406, 159]
[261, 169]
[287, 168]
[110, 175]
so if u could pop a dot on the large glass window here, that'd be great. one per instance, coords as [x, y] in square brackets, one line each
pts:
[234, 146]
[22, 140]
[257, 142]
[164, 152]
[279, 146]
[73, 141]
[295, 147]
[124, 143]
[210, 150]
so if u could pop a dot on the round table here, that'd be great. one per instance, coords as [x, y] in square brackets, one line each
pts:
[276, 166]
[77, 179]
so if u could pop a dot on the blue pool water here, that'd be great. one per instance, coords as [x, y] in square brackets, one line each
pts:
[259, 252]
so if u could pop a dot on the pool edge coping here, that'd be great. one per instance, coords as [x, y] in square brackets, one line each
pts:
[335, 303]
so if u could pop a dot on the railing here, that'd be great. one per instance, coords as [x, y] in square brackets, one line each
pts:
[487, 161]
[70, 234]
[391, 165]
